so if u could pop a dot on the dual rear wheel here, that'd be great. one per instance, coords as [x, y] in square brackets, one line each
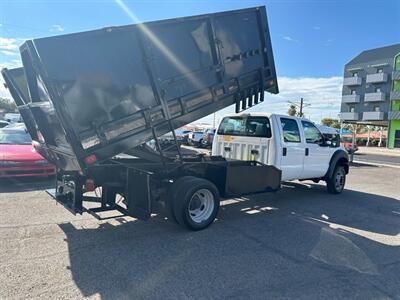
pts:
[193, 202]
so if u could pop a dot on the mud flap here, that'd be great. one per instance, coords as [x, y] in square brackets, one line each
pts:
[138, 199]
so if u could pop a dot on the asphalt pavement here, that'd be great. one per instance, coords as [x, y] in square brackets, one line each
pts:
[298, 243]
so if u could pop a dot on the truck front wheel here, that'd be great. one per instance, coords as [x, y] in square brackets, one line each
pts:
[335, 183]
[195, 202]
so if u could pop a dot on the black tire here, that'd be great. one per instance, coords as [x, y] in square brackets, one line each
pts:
[173, 194]
[335, 184]
[190, 192]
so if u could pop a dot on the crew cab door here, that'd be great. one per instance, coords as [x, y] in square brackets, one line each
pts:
[292, 155]
[316, 154]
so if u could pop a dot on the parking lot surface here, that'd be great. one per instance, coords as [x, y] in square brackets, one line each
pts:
[297, 243]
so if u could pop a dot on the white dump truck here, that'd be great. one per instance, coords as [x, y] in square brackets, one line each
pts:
[294, 145]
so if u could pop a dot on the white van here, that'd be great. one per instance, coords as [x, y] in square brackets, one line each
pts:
[294, 145]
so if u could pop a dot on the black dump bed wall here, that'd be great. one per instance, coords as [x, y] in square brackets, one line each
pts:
[109, 88]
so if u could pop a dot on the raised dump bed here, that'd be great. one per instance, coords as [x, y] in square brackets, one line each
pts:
[110, 88]
[86, 97]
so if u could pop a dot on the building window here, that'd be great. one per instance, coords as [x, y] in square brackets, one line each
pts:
[351, 108]
[397, 64]
[353, 92]
[378, 90]
[396, 85]
[377, 108]
[355, 74]
[380, 70]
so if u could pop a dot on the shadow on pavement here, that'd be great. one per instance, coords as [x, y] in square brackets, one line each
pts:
[25, 184]
[298, 243]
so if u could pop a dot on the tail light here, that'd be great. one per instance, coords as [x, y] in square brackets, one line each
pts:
[91, 159]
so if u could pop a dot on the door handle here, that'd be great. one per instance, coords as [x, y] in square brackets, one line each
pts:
[284, 151]
[307, 151]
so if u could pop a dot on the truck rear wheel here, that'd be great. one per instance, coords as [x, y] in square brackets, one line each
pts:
[335, 184]
[194, 202]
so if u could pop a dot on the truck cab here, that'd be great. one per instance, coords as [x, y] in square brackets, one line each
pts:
[292, 144]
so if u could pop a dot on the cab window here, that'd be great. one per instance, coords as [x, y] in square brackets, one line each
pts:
[245, 126]
[311, 133]
[232, 126]
[258, 127]
[290, 129]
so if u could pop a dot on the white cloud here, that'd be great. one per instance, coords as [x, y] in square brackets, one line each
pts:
[288, 38]
[328, 42]
[316, 28]
[57, 27]
[324, 95]
[8, 43]
[7, 52]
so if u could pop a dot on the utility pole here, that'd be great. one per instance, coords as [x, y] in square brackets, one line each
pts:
[300, 106]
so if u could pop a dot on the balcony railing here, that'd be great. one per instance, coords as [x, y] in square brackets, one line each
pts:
[373, 116]
[377, 77]
[351, 98]
[395, 95]
[394, 115]
[352, 81]
[374, 97]
[396, 75]
[349, 116]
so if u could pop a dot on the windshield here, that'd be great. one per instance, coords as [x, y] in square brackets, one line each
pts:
[15, 137]
[245, 126]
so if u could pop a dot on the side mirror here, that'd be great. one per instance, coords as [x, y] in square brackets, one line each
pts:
[325, 143]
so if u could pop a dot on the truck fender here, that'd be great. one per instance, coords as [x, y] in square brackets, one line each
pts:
[339, 157]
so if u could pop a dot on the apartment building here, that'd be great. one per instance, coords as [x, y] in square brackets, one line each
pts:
[371, 90]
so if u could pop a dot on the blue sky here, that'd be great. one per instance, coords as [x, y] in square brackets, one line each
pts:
[312, 40]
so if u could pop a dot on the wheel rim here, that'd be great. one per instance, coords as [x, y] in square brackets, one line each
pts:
[201, 205]
[340, 179]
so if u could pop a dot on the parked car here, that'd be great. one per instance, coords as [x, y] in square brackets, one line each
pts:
[293, 145]
[18, 158]
[195, 138]
[208, 138]
[4, 123]
[347, 143]
[330, 134]
[13, 118]
[184, 135]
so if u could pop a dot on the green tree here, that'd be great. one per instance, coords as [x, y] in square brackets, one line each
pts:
[292, 111]
[330, 122]
[7, 105]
